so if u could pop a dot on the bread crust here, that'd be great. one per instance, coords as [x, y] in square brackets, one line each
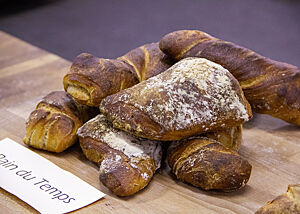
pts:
[207, 164]
[271, 87]
[52, 126]
[192, 97]
[91, 79]
[288, 202]
[127, 164]
[231, 138]
[148, 61]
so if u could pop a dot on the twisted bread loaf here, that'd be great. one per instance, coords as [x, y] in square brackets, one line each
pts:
[53, 124]
[127, 164]
[91, 79]
[207, 164]
[288, 203]
[271, 87]
[192, 97]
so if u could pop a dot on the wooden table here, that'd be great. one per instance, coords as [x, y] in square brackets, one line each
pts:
[272, 147]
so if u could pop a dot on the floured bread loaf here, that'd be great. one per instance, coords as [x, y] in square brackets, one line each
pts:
[207, 164]
[193, 96]
[127, 163]
[271, 87]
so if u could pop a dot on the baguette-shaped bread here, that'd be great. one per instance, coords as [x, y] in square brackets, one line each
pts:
[91, 79]
[207, 164]
[287, 203]
[271, 87]
[52, 126]
[127, 164]
[192, 97]
[231, 138]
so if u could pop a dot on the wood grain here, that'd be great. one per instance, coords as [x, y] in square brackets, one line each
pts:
[272, 147]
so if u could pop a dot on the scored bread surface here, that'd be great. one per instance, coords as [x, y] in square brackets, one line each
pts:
[207, 164]
[53, 124]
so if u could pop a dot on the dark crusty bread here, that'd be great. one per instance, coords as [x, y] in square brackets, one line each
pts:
[127, 164]
[287, 203]
[53, 124]
[192, 97]
[207, 164]
[271, 87]
[91, 79]
[147, 61]
[231, 138]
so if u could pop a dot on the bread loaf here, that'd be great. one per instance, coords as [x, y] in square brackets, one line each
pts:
[52, 126]
[207, 164]
[147, 61]
[127, 164]
[271, 87]
[287, 203]
[231, 138]
[91, 79]
[192, 97]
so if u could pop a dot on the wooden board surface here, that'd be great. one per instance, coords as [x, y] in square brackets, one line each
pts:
[27, 73]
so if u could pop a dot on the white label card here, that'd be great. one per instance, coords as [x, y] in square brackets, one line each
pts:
[40, 183]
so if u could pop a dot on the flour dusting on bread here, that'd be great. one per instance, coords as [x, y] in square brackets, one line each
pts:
[100, 129]
[193, 91]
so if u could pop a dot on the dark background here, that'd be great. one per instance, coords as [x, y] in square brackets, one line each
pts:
[111, 28]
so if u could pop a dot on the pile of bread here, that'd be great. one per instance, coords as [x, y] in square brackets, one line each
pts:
[190, 91]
